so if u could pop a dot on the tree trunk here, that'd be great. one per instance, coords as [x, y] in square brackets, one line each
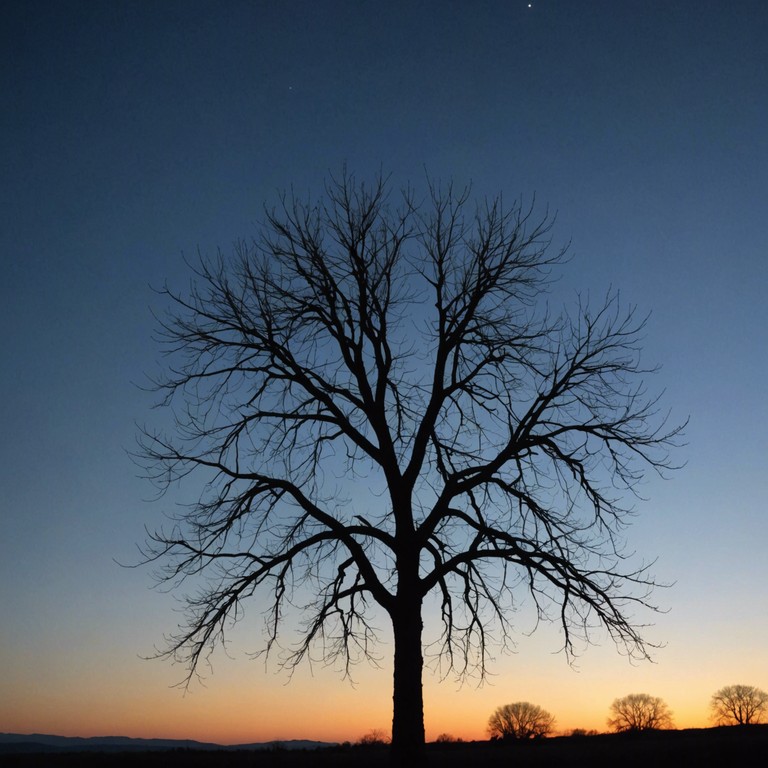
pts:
[408, 703]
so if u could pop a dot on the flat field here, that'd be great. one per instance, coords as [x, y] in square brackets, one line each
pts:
[705, 747]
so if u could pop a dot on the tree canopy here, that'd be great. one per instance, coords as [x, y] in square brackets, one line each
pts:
[521, 720]
[639, 712]
[379, 405]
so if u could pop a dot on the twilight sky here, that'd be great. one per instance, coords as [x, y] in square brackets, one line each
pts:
[133, 132]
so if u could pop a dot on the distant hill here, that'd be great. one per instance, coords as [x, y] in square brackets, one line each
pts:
[43, 742]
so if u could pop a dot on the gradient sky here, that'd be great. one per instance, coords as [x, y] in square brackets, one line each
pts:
[133, 132]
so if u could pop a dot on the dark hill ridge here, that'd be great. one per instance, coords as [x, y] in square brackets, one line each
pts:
[43, 742]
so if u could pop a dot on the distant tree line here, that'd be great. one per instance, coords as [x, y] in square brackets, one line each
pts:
[731, 705]
[636, 712]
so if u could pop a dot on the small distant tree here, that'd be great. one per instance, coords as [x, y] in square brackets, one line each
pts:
[376, 737]
[739, 705]
[520, 720]
[446, 738]
[639, 712]
[583, 732]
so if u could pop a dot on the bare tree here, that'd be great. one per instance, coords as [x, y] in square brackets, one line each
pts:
[520, 720]
[379, 408]
[739, 705]
[375, 738]
[639, 712]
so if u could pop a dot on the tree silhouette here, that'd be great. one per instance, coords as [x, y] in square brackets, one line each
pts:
[520, 720]
[739, 704]
[379, 408]
[639, 712]
[375, 738]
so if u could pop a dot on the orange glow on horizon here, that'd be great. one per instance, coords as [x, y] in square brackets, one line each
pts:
[241, 701]
[322, 709]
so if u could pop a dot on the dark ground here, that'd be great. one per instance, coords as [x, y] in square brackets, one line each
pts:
[705, 747]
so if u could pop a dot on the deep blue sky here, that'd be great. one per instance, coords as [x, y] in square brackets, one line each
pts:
[133, 132]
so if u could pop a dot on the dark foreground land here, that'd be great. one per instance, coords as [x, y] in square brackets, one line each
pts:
[705, 747]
